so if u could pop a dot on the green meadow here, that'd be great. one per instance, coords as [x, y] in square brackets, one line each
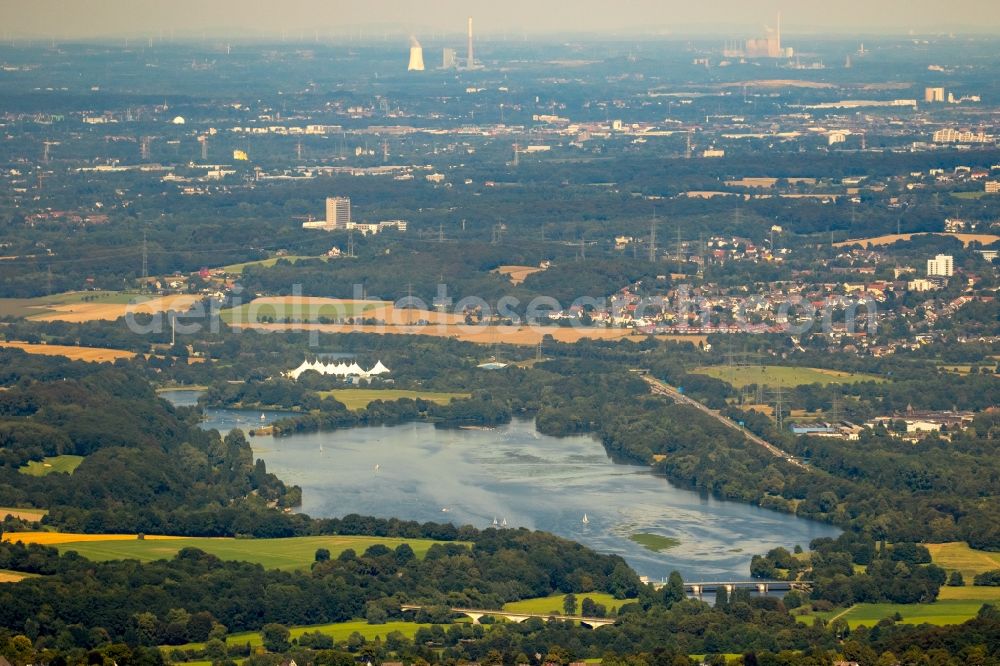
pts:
[781, 375]
[290, 553]
[361, 398]
[55, 465]
[553, 605]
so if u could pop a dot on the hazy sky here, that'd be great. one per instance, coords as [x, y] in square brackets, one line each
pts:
[260, 18]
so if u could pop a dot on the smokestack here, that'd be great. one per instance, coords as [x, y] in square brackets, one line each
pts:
[470, 61]
[416, 56]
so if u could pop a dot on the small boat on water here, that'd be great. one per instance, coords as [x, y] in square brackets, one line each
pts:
[495, 523]
[377, 467]
[503, 523]
[585, 520]
[263, 417]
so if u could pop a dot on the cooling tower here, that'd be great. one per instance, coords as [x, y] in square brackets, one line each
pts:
[416, 56]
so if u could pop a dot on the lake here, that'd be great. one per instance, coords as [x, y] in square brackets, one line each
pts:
[512, 472]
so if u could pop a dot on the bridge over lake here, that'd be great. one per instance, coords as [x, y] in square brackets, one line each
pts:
[761, 586]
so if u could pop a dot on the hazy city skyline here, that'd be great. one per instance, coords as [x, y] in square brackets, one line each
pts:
[250, 19]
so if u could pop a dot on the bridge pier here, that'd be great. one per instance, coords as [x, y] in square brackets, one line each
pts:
[696, 590]
[762, 588]
[729, 587]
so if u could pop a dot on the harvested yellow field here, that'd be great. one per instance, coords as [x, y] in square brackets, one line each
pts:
[777, 83]
[90, 354]
[310, 309]
[767, 182]
[517, 274]
[31, 515]
[12, 577]
[82, 312]
[487, 335]
[54, 538]
[889, 239]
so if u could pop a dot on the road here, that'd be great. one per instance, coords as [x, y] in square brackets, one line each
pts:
[659, 388]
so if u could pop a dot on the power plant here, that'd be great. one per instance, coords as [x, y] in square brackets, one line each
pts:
[768, 46]
[416, 56]
[470, 60]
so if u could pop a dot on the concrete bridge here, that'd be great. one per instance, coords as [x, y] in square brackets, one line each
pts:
[477, 613]
[761, 586]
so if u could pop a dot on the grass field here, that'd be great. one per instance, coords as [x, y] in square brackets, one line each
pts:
[30, 515]
[291, 553]
[958, 556]
[954, 605]
[90, 354]
[780, 375]
[969, 195]
[55, 465]
[360, 398]
[338, 631]
[554, 604]
[305, 308]
[265, 263]
[941, 612]
[655, 542]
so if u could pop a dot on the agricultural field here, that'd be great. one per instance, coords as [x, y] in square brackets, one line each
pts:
[517, 274]
[89, 354]
[31, 515]
[360, 398]
[7, 576]
[941, 612]
[84, 306]
[958, 556]
[291, 553]
[42, 305]
[265, 263]
[889, 239]
[55, 465]
[59, 538]
[485, 335]
[780, 375]
[303, 308]
[338, 631]
[954, 605]
[554, 604]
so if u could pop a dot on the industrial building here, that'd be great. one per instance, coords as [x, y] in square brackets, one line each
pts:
[416, 56]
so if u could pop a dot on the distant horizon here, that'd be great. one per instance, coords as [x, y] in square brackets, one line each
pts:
[309, 20]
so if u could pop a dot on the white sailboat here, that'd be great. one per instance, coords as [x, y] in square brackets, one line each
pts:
[495, 523]
[503, 523]
[377, 467]
[263, 417]
[585, 520]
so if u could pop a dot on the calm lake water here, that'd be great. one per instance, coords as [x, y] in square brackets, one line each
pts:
[513, 473]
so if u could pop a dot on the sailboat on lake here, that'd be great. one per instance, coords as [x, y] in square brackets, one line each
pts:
[585, 521]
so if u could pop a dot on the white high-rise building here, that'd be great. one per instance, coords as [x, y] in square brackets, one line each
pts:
[338, 212]
[940, 266]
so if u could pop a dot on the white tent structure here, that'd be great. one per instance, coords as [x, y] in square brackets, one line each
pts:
[337, 369]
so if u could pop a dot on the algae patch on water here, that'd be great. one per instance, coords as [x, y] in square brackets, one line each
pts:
[654, 542]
